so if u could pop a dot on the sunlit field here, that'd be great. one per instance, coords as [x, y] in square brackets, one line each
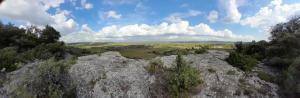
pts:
[152, 50]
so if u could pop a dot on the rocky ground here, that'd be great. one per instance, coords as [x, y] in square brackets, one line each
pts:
[112, 75]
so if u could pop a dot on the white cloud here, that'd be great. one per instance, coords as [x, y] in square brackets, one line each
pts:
[63, 24]
[213, 16]
[23, 11]
[231, 9]
[118, 2]
[163, 30]
[111, 15]
[52, 3]
[25, 8]
[175, 17]
[184, 5]
[86, 5]
[272, 14]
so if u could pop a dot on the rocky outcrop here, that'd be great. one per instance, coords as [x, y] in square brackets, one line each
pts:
[222, 80]
[111, 75]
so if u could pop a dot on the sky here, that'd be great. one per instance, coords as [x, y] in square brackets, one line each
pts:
[152, 20]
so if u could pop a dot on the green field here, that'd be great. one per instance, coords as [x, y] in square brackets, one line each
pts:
[150, 50]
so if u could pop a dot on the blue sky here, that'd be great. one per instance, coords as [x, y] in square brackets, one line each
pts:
[152, 20]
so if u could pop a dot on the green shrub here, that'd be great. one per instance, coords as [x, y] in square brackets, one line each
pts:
[265, 76]
[155, 66]
[241, 61]
[77, 51]
[176, 51]
[291, 80]
[50, 81]
[8, 59]
[182, 78]
[200, 51]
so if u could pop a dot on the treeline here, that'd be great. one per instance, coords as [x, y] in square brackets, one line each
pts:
[20, 46]
[282, 51]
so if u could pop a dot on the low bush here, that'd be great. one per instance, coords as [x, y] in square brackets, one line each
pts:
[50, 81]
[176, 51]
[291, 82]
[279, 62]
[241, 61]
[155, 66]
[265, 76]
[200, 51]
[8, 59]
[182, 78]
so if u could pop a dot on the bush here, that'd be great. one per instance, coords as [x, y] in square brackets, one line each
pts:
[266, 77]
[278, 62]
[155, 67]
[200, 51]
[8, 59]
[291, 83]
[50, 81]
[182, 78]
[241, 61]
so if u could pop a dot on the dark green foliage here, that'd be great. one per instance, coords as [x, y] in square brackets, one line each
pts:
[200, 50]
[266, 76]
[291, 82]
[182, 78]
[8, 59]
[49, 35]
[28, 46]
[77, 51]
[239, 47]
[241, 61]
[285, 42]
[176, 51]
[254, 49]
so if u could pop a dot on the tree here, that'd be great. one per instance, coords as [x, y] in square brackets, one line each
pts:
[285, 41]
[49, 35]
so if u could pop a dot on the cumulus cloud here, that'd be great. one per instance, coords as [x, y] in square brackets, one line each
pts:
[25, 9]
[164, 30]
[213, 16]
[52, 3]
[231, 9]
[273, 13]
[86, 5]
[175, 17]
[111, 15]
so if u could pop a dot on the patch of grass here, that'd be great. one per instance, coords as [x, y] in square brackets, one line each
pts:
[265, 76]
[155, 66]
[230, 72]
[211, 70]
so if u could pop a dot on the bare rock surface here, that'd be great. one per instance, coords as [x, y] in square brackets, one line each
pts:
[110, 76]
